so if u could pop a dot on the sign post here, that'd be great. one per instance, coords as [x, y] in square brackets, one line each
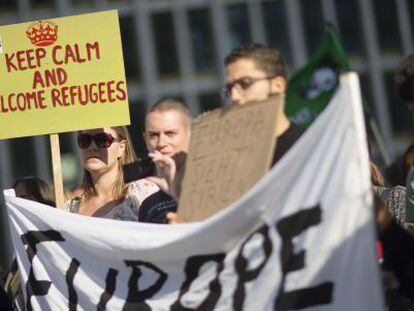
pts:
[57, 170]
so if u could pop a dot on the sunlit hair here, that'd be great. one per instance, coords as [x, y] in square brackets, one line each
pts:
[37, 190]
[376, 177]
[119, 189]
[266, 59]
[169, 104]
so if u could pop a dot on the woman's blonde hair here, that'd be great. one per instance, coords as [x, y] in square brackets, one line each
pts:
[119, 190]
[376, 176]
[37, 190]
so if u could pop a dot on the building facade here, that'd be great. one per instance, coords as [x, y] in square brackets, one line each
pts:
[176, 48]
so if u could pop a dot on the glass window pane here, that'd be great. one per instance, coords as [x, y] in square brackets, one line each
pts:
[350, 27]
[210, 101]
[313, 23]
[366, 94]
[411, 14]
[83, 3]
[8, 5]
[70, 168]
[23, 164]
[43, 4]
[71, 171]
[202, 41]
[238, 25]
[276, 27]
[400, 118]
[387, 26]
[165, 45]
[130, 48]
[66, 141]
[137, 112]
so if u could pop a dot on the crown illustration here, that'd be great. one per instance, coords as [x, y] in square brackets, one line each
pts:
[42, 33]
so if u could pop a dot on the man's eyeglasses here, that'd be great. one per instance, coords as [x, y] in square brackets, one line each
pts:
[102, 140]
[241, 84]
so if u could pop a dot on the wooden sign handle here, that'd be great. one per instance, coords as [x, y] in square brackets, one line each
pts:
[57, 171]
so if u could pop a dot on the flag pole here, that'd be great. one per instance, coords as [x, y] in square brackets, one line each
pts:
[378, 139]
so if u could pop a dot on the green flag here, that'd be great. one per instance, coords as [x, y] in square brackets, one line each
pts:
[312, 87]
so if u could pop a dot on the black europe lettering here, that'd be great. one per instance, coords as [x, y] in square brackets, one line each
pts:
[136, 298]
[110, 284]
[288, 228]
[70, 275]
[31, 239]
[241, 264]
[192, 270]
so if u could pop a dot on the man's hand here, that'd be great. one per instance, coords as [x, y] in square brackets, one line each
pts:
[167, 173]
[173, 218]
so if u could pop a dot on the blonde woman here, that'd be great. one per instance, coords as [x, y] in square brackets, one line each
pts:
[104, 194]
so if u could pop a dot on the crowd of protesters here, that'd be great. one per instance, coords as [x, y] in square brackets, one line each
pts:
[253, 73]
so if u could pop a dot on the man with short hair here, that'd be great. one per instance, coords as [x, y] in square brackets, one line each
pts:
[167, 136]
[254, 73]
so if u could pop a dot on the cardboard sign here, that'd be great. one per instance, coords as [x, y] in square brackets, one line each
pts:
[61, 75]
[230, 150]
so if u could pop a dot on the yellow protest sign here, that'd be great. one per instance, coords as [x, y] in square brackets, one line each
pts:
[62, 74]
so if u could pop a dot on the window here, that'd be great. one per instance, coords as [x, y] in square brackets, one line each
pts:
[313, 23]
[66, 141]
[8, 5]
[238, 25]
[69, 161]
[137, 127]
[23, 156]
[42, 4]
[202, 41]
[82, 3]
[130, 49]
[365, 83]
[165, 46]
[400, 117]
[276, 26]
[387, 26]
[350, 27]
[411, 14]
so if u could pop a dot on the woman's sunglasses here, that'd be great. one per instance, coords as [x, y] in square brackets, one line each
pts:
[102, 140]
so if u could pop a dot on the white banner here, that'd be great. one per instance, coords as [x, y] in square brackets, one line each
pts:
[301, 238]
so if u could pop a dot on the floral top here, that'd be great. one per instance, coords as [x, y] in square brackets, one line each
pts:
[144, 202]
